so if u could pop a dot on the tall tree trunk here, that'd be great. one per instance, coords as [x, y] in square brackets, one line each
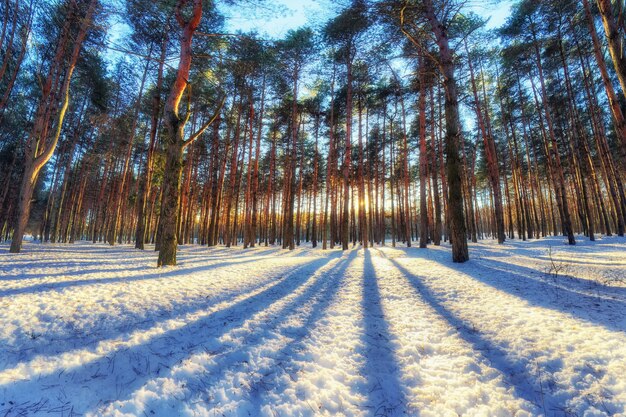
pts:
[460, 251]
[490, 152]
[119, 193]
[347, 160]
[247, 227]
[565, 220]
[405, 176]
[330, 166]
[38, 149]
[361, 174]
[616, 110]
[614, 40]
[146, 180]
[255, 175]
[288, 232]
[437, 232]
[423, 158]
[25, 33]
[174, 140]
[315, 180]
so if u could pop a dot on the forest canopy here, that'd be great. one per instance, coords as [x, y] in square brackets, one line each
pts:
[391, 121]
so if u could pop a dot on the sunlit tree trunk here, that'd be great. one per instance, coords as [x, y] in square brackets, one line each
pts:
[174, 139]
[437, 232]
[120, 192]
[423, 161]
[330, 166]
[362, 215]
[347, 161]
[255, 174]
[315, 180]
[616, 110]
[39, 148]
[490, 152]
[564, 206]
[146, 179]
[614, 40]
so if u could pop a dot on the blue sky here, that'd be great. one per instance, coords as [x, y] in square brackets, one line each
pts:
[277, 17]
[274, 18]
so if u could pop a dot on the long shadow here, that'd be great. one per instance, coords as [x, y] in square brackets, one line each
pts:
[567, 294]
[231, 252]
[46, 263]
[87, 256]
[270, 380]
[386, 395]
[90, 381]
[317, 296]
[84, 259]
[142, 320]
[194, 259]
[57, 286]
[71, 273]
[186, 260]
[523, 383]
[541, 254]
[562, 280]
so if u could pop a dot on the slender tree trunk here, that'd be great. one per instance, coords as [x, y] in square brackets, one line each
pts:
[146, 180]
[255, 175]
[20, 58]
[315, 180]
[616, 110]
[423, 159]
[614, 40]
[361, 174]
[347, 164]
[490, 152]
[460, 251]
[565, 219]
[437, 232]
[247, 227]
[330, 166]
[119, 193]
[38, 150]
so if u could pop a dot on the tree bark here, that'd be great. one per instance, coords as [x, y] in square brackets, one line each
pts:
[460, 251]
[174, 139]
[347, 160]
[423, 242]
[146, 181]
[38, 150]
[614, 40]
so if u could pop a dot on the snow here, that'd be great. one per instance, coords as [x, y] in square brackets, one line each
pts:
[522, 329]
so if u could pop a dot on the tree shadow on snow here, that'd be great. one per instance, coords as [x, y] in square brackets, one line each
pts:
[524, 384]
[588, 300]
[579, 297]
[539, 250]
[270, 376]
[162, 274]
[81, 249]
[386, 396]
[126, 369]
[130, 322]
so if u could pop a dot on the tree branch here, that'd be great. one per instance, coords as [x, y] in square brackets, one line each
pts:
[206, 125]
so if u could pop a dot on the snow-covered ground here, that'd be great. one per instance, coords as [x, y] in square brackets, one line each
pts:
[522, 329]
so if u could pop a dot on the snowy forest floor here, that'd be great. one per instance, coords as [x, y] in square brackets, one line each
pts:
[522, 329]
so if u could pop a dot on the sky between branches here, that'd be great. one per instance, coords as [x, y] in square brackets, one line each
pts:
[277, 18]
